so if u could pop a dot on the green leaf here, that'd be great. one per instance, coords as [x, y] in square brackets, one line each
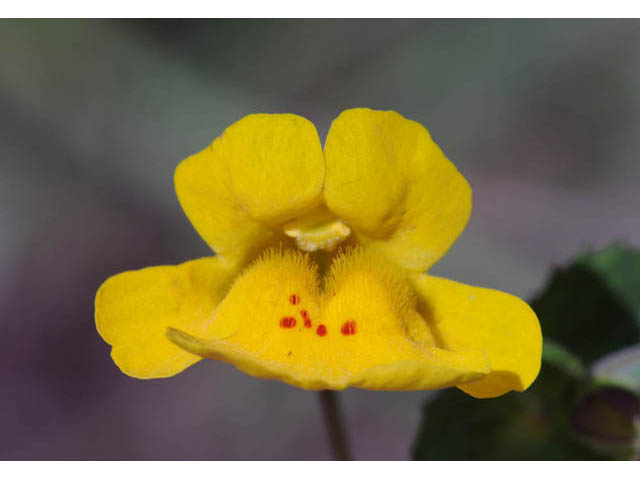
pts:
[590, 306]
[534, 425]
[619, 268]
[558, 356]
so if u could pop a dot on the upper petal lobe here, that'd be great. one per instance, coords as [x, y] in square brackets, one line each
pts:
[262, 171]
[387, 178]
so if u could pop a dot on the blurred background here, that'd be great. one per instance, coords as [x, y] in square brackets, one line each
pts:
[542, 118]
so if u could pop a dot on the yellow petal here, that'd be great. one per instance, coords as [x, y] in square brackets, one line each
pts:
[361, 331]
[465, 317]
[390, 182]
[133, 309]
[262, 171]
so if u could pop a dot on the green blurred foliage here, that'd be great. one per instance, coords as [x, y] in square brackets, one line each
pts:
[593, 305]
[588, 309]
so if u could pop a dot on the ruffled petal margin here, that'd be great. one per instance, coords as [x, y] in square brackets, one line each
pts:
[464, 317]
[133, 310]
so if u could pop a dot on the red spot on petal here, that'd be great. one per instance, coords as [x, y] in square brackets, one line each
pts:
[348, 327]
[321, 330]
[306, 318]
[294, 298]
[288, 322]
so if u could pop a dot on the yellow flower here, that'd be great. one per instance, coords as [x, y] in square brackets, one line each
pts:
[318, 278]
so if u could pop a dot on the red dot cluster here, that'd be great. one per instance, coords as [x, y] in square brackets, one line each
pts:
[305, 317]
[348, 328]
[288, 322]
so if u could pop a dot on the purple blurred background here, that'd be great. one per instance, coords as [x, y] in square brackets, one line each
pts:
[542, 117]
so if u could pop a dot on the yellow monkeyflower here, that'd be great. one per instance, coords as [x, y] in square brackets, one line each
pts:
[318, 277]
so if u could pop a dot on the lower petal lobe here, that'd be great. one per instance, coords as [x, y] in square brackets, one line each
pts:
[361, 330]
[464, 317]
[133, 310]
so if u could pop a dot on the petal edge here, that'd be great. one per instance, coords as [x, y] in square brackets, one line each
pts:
[390, 181]
[263, 170]
[466, 317]
[133, 309]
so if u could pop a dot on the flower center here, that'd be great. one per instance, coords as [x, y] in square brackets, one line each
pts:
[319, 230]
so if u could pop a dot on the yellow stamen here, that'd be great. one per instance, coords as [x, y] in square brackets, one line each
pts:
[319, 230]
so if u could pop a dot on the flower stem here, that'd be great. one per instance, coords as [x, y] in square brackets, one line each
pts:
[334, 424]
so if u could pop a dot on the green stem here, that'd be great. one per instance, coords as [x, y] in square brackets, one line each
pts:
[334, 424]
